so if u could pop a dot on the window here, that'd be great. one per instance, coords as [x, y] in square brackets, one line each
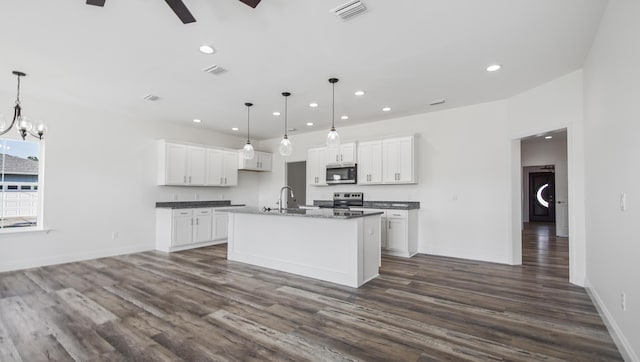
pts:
[19, 195]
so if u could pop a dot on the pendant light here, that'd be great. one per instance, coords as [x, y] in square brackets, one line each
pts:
[333, 138]
[25, 127]
[247, 151]
[285, 145]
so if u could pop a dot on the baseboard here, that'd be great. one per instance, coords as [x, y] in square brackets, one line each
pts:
[620, 340]
[68, 258]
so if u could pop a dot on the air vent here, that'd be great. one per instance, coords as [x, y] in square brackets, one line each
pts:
[151, 97]
[350, 9]
[436, 102]
[214, 69]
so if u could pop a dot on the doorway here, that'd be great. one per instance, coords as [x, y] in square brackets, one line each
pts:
[297, 178]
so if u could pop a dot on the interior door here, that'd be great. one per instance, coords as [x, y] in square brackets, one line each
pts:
[542, 197]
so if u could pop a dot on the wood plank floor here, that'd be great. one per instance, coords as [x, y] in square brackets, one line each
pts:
[197, 306]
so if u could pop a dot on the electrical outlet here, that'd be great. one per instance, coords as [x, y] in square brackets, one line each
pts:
[196, 197]
[115, 235]
[623, 301]
[623, 202]
[221, 196]
[174, 197]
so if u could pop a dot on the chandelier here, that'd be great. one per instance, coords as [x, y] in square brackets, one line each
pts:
[25, 126]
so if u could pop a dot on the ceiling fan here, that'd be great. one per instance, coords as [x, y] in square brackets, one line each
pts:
[179, 8]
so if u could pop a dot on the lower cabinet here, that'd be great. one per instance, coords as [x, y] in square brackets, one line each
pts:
[399, 231]
[181, 229]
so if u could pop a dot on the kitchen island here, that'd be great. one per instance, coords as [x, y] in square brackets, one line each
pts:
[338, 246]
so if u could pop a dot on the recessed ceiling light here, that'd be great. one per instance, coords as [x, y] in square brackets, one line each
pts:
[313, 105]
[386, 109]
[494, 67]
[207, 49]
[548, 137]
[344, 117]
[309, 123]
[197, 120]
[438, 101]
[234, 129]
[359, 93]
[276, 113]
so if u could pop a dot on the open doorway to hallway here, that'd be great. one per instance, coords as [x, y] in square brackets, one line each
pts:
[297, 178]
[545, 202]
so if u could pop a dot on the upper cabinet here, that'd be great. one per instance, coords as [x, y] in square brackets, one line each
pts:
[370, 163]
[398, 160]
[345, 153]
[190, 165]
[317, 166]
[222, 168]
[261, 161]
[181, 164]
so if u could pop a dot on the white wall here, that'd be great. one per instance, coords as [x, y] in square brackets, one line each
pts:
[612, 128]
[463, 167]
[540, 152]
[100, 174]
[552, 106]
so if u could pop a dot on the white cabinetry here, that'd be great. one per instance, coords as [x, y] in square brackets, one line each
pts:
[345, 153]
[399, 235]
[180, 229]
[261, 161]
[181, 164]
[398, 160]
[317, 166]
[222, 168]
[370, 163]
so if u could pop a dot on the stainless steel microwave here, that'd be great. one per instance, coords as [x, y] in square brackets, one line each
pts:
[343, 174]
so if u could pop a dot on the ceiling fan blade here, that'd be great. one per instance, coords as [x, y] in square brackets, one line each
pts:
[96, 2]
[181, 10]
[252, 3]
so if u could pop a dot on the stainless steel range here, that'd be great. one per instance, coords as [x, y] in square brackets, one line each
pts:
[344, 200]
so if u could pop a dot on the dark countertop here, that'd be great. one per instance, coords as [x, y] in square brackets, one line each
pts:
[194, 204]
[318, 213]
[391, 205]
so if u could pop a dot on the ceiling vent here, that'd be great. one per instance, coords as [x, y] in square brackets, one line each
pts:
[214, 69]
[348, 10]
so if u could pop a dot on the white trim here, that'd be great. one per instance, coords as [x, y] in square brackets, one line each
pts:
[624, 347]
[68, 258]
[28, 229]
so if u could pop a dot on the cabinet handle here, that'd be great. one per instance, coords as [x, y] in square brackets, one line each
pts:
[189, 179]
[389, 225]
[184, 180]
[396, 214]
[341, 158]
[197, 221]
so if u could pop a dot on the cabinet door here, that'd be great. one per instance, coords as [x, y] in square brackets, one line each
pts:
[176, 164]
[265, 161]
[364, 163]
[316, 166]
[221, 225]
[182, 229]
[390, 159]
[405, 160]
[215, 161]
[348, 153]
[333, 155]
[397, 233]
[197, 166]
[230, 169]
[202, 228]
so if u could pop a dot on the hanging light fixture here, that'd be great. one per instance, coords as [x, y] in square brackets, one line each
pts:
[247, 151]
[333, 138]
[24, 125]
[285, 145]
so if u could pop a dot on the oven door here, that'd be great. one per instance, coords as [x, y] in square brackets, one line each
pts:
[341, 175]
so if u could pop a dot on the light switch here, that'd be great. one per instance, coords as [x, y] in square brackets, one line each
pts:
[623, 201]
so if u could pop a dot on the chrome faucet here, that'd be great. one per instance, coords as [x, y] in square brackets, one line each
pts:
[280, 202]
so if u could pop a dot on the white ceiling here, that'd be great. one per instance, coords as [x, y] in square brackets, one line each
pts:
[404, 54]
